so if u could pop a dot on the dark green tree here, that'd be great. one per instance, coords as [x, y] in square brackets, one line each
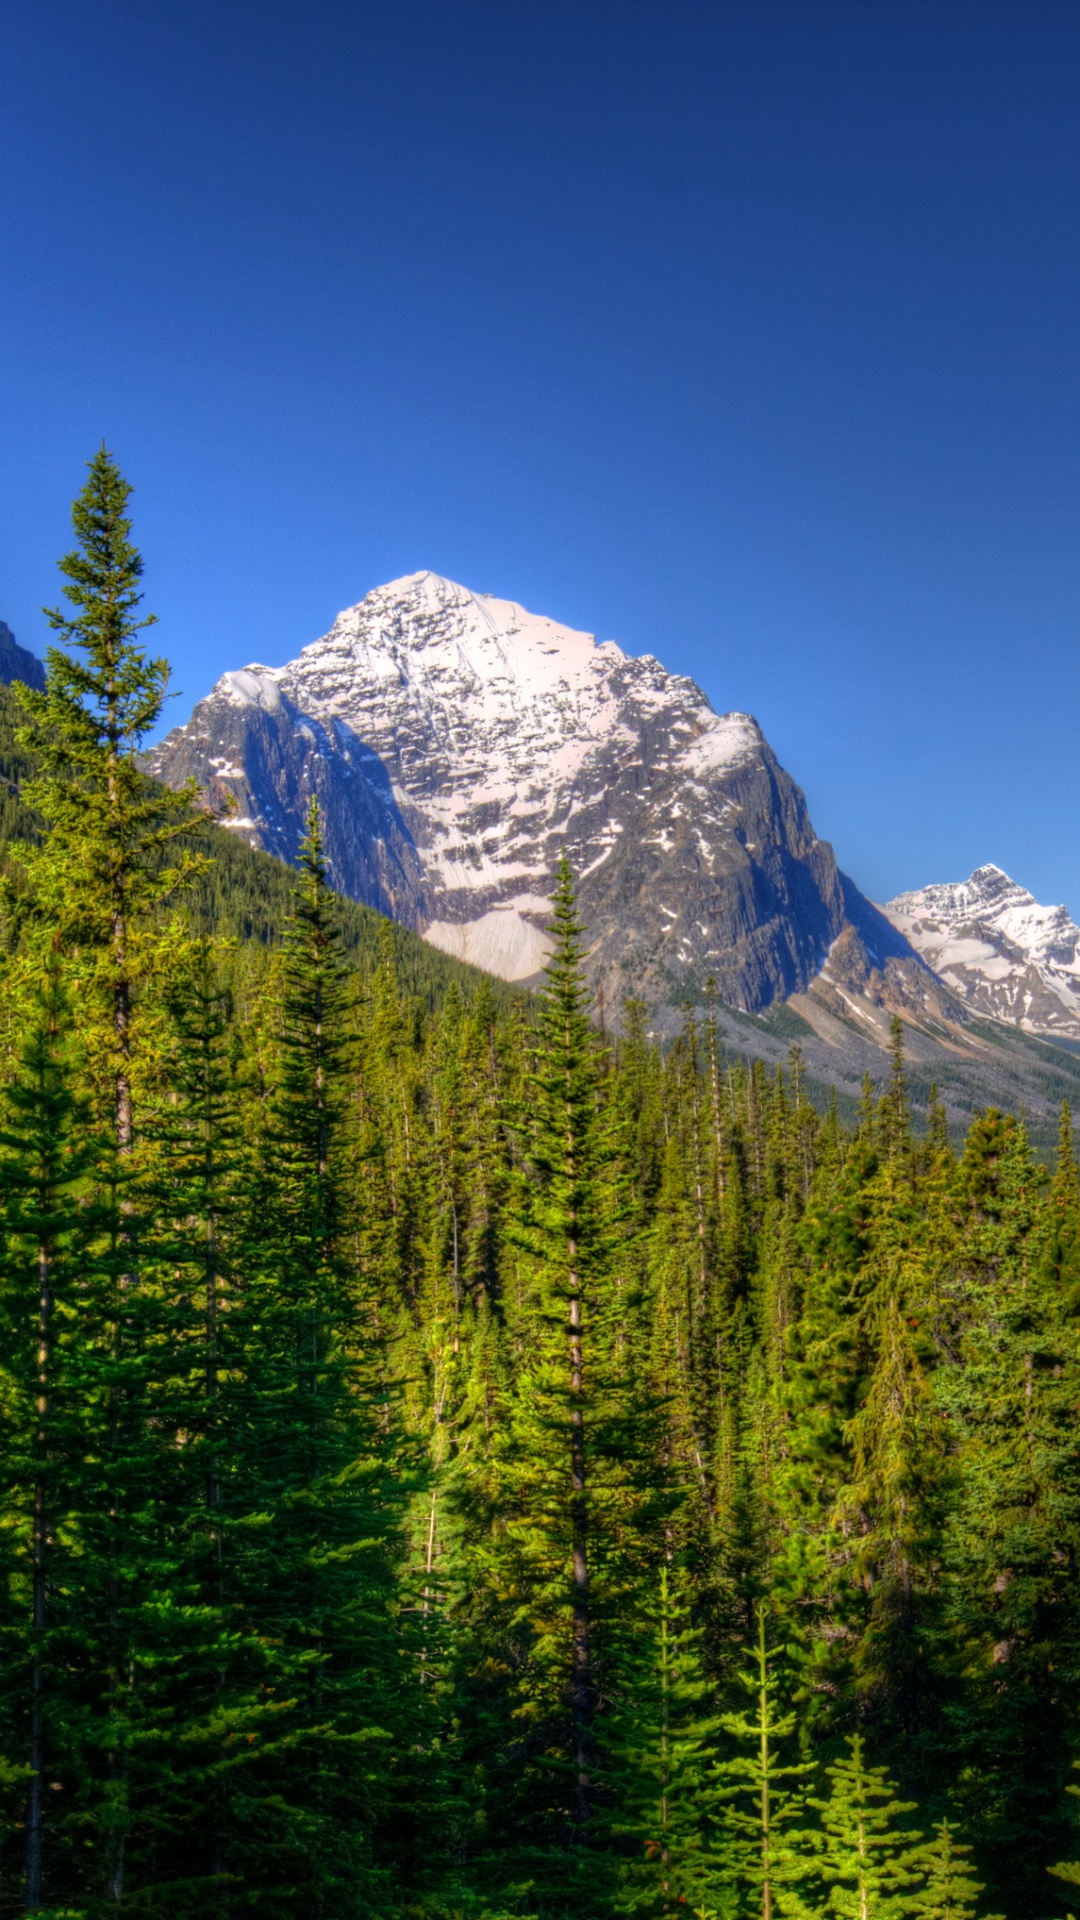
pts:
[102, 870]
[309, 1509]
[659, 1743]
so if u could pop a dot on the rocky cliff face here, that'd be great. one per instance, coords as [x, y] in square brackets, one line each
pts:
[17, 663]
[999, 951]
[457, 744]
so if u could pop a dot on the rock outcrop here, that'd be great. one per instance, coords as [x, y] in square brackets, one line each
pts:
[18, 663]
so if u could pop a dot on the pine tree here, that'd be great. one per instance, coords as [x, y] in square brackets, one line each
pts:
[895, 1112]
[570, 1499]
[309, 1508]
[97, 882]
[1012, 1540]
[659, 1745]
[566, 1149]
[45, 1158]
[102, 870]
[1068, 1870]
[825, 1380]
[869, 1865]
[890, 1509]
[191, 1203]
[951, 1891]
[760, 1850]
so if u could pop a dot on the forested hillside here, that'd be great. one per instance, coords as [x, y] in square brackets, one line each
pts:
[456, 1464]
[236, 892]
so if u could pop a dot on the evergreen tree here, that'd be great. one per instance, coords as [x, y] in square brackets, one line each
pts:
[46, 1156]
[1013, 1531]
[1068, 1870]
[102, 872]
[98, 879]
[659, 1745]
[569, 1492]
[309, 1511]
[869, 1866]
[951, 1891]
[761, 1851]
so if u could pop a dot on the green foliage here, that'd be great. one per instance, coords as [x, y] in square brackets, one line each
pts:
[108, 823]
[660, 1742]
[762, 1852]
[458, 1466]
[868, 1865]
[1068, 1870]
[951, 1890]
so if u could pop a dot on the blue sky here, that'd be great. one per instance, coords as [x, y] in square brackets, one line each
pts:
[745, 334]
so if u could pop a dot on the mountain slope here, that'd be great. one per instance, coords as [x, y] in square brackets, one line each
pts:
[998, 950]
[247, 895]
[18, 663]
[841, 1023]
[457, 744]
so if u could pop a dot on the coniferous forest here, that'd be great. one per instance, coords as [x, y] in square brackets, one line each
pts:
[459, 1462]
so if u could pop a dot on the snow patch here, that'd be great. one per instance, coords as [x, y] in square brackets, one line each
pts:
[730, 739]
[500, 941]
[253, 686]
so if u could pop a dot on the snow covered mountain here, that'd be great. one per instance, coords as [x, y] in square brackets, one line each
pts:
[999, 951]
[457, 743]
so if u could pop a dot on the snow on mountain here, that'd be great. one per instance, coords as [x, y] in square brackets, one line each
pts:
[458, 743]
[1000, 951]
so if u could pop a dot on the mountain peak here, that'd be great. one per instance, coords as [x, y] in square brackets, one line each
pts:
[459, 743]
[993, 943]
[451, 643]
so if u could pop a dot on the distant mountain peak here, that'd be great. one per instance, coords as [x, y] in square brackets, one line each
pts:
[998, 948]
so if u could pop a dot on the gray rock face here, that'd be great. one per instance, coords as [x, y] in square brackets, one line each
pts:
[457, 744]
[17, 663]
[998, 950]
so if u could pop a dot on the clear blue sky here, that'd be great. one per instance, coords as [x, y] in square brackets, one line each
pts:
[746, 334]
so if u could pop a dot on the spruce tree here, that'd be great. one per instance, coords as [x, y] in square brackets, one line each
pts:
[309, 1508]
[570, 1503]
[1012, 1539]
[568, 1233]
[1068, 1870]
[97, 881]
